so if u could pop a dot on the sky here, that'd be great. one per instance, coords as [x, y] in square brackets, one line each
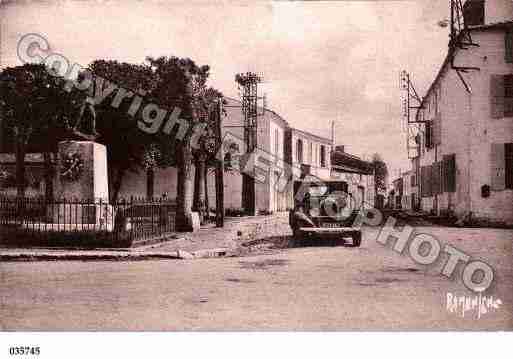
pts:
[321, 61]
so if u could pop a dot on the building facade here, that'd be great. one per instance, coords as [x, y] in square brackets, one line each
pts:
[465, 159]
[269, 159]
[406, 195]
[310, 152]
[357, 174]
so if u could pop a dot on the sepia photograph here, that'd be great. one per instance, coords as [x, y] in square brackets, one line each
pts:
[264, 166]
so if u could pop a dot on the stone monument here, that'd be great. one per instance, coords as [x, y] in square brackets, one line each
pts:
[81, 184]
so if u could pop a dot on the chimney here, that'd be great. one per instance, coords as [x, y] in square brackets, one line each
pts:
[498, 11]
[485, 12]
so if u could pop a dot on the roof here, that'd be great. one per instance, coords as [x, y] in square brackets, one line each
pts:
[344, 162]
[311, 135]
[495, 25]
[452, 50]
[347, 169]
[285, 124]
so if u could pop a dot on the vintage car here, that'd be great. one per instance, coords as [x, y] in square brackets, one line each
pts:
[323, 213]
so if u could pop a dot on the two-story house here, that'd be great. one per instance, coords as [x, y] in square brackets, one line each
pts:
[465, 159]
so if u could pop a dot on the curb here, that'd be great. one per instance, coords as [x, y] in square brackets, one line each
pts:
[31, 256]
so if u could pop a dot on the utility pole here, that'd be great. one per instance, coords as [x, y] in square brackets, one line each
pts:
[219, 167]
[333, 134]
[248, 84]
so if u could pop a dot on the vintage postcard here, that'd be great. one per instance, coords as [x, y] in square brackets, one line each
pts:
[289, 166]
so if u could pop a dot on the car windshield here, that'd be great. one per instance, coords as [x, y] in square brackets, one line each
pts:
[319, 189]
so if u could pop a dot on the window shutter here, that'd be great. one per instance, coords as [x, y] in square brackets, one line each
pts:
[508, 45]
[429, 134]
[437, 129]
[508, 157]
[449, 173]
[497, 162]
[434, 182]
[423, 181]
[437, 185]
[429, 181]
[497, 96]
[508, 95]
[443, 175]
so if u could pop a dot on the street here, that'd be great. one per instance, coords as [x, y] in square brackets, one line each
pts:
[313, 288]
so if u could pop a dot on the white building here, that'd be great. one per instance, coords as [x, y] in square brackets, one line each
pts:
[465, 158]
[357, 174]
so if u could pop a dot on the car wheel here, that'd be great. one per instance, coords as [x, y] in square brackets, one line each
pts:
[357, 239]
[298, 238]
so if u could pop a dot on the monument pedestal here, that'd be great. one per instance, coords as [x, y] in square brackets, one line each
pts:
[81, 185]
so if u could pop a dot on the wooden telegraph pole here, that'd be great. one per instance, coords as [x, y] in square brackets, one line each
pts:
[219, 167]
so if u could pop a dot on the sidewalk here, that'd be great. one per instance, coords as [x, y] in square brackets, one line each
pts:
[208, 242]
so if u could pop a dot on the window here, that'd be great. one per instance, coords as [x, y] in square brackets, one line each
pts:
[323, 156]
[299, 151]
[310, 154]
[508, 157]
[508, 95]
[473, 12]
[425, 176]
[449, 173]
[413, 181]
[501, 162]
[428, 140]
[508, 46]
[431, 180]
[501, 96]
[436, 184]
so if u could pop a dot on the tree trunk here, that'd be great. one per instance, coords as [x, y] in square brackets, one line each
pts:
[150, 183]
[20, 168]
[199, 188]
[48, 176]
[205, 184]
[219, 169]
[116, 186]
[197, 184]
[184, 186]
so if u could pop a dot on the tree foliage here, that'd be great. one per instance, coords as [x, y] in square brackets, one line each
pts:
[128, 148]
[35, 110]
[380, 173]
[182, 83]
[35, 105]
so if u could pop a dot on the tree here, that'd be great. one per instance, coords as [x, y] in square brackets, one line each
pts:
[36, 109]
[180, 83]
[380, 173]
[128, 148]
[204, 154]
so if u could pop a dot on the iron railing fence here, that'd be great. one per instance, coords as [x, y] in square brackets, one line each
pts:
[70, 222]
